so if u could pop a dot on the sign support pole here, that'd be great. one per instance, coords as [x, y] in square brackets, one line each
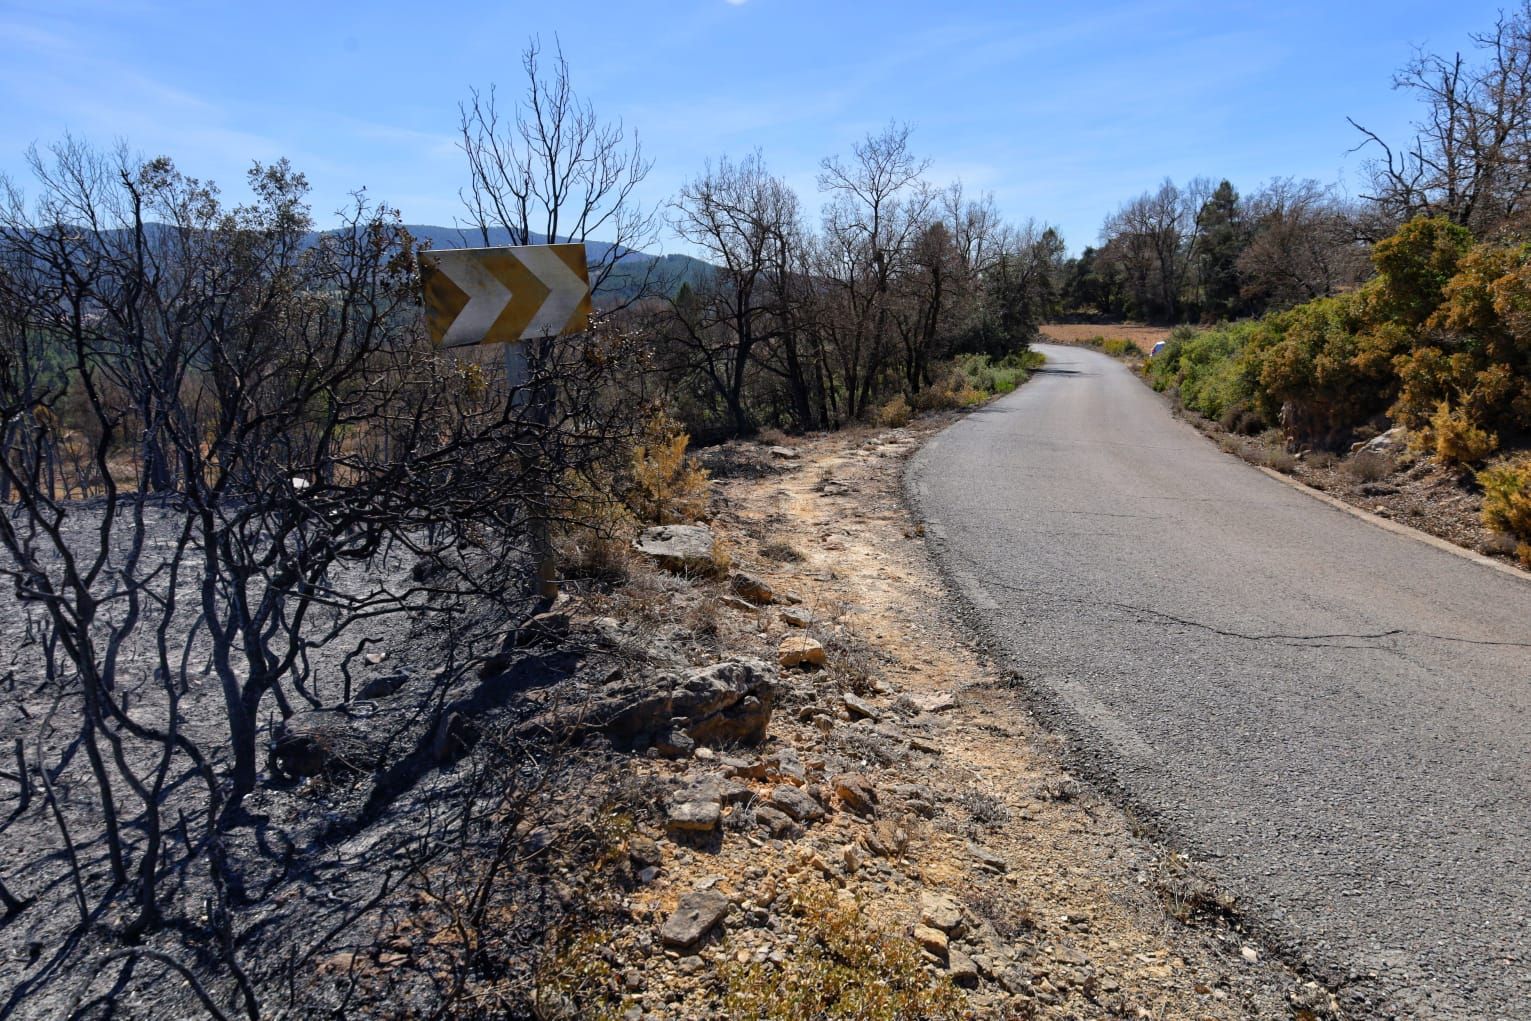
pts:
[517, 374]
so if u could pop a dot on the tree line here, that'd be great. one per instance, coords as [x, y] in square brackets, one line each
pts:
[1201, 252]
[810, 325]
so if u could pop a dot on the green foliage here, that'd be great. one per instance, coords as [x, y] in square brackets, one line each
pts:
[1223, 239]
[1507, 503]
[1117, 347]
[997, 375]
[841, 967]
[971, 379]
[1208, 368]
[1439, 341]
[1415, 265]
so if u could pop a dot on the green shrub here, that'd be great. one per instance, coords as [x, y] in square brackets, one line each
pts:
[1507, 503]
[1211, 370]
[1118, 347]
[1446, 323]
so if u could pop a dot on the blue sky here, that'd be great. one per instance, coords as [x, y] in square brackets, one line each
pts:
[1062, 112]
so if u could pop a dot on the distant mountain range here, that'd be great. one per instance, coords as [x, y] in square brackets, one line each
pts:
[666, 273]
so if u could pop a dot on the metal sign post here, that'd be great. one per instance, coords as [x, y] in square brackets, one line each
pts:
[513, 296]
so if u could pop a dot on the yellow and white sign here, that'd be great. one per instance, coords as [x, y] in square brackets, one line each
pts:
[505, 295]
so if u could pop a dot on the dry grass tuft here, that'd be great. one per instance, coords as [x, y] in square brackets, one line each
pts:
[842, 967]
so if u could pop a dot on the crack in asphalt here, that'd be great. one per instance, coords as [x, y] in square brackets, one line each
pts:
[1306, 641]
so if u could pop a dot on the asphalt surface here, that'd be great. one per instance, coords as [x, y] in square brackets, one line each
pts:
[1335, 718]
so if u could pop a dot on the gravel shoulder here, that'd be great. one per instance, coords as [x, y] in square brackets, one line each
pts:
[1092, 919]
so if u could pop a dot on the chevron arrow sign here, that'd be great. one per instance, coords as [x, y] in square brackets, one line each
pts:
[504, 295]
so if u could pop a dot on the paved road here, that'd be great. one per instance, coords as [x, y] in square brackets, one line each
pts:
[1335, 717]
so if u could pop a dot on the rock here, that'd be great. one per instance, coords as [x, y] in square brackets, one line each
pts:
[455, 734]
[753, 769]
[856, 792]
[684, 549]
[886, 840]
[338, 964]
[800, 651]
[961, 968]
[735, 793]
[694, 817]
[643, 851]
[932, 941]
[748, 586]
[795, 803]
[859, 709]
[796, 616]
[935, 702]
[776, 822]
[1250, 954]
[693, 919]
[382, 687]
[1394, 439]
[726, 703]
[988, 859]
[1070, 956]
[674, 743]
[786, 453]
[785, 764]
[735, 603]
[715, 789]
[941, 912]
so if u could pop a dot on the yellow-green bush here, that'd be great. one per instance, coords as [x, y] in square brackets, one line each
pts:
[1455, 439]
[667, 486]
[1439, 342]
[1117, 347]
[895, 413]
[598, 513]
[1507, 503]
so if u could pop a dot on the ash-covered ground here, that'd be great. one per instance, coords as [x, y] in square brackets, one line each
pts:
[315, 861]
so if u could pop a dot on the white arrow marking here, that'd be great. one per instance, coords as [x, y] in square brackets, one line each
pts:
[487, 298]
[565, 291]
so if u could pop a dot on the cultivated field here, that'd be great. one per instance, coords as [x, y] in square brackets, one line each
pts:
[1145, 337]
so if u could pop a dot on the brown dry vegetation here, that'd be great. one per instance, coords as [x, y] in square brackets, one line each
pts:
[1142, 336]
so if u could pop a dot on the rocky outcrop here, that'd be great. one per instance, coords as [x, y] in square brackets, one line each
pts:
[722, 704]
[684, 549]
